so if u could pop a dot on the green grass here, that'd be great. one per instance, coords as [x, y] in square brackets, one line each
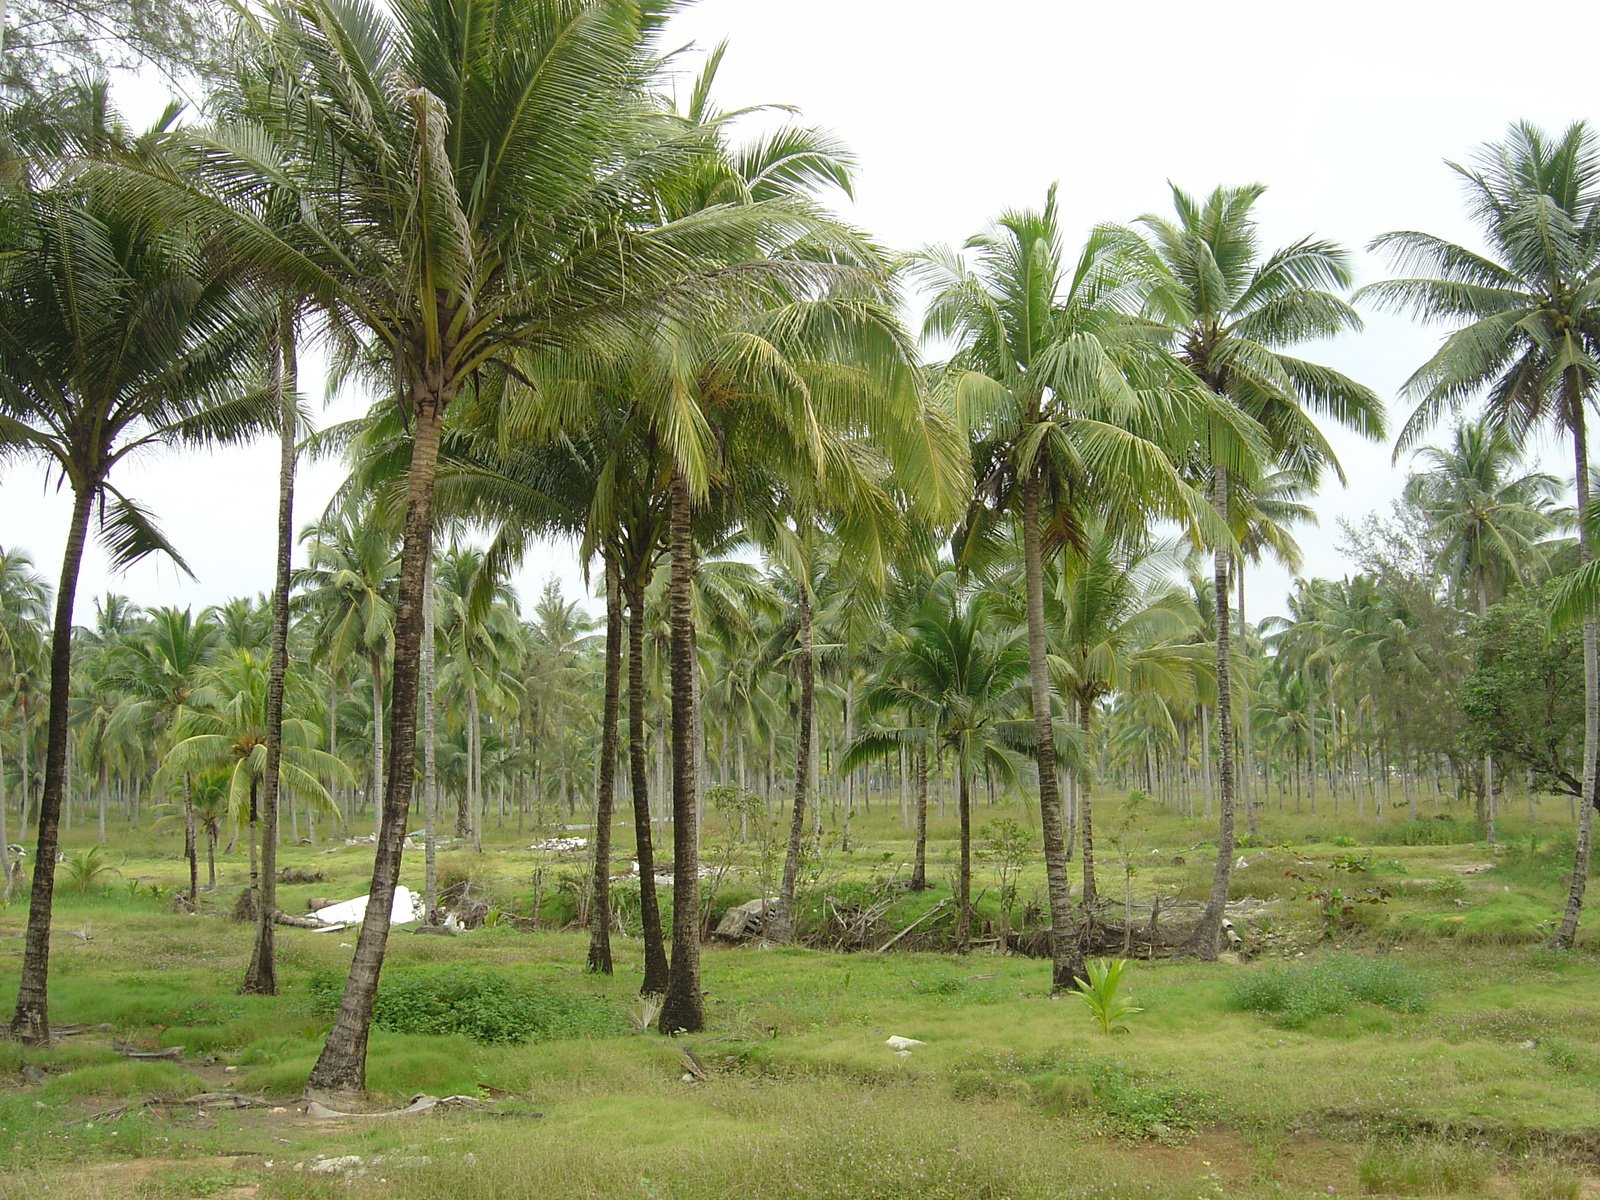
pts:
[1299, 995]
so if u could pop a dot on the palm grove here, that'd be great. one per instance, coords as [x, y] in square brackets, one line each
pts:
[835, 574]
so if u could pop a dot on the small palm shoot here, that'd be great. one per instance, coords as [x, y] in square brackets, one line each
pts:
[87, 869]
[1102, 994]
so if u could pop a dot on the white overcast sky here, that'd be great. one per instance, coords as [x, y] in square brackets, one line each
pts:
[958, 110]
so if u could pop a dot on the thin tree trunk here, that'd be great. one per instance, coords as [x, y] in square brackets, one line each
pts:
[783, 920]
[1086, 810]
[1203, 941]
[189, 838]
[341, 1069]
[31, 1021]
[430, 757]
[1567, 932]
[600, 905]
[261, 977]
[919, 864]
[1205, 758]
[681, 1009]
[964, 862]
[655, 951]
[1065, 949]
[375, 669]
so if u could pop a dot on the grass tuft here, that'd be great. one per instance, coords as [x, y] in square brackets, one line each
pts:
[1299, 995]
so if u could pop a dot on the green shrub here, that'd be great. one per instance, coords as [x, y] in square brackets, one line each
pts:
[1298, 995]
[1131, 1105]
[1550, 1181]
[1450, 888]
[1424, 1168]
[485, 1006]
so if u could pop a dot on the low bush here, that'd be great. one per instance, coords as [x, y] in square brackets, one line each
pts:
[1441, 831]
[1505, 920]
[486, 1006]
[1298, 995]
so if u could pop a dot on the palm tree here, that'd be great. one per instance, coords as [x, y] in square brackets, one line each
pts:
[1228, 311]
[1117, 623]
[160, 670]
[24, 610]
[117, 332]
[1071, 405]
[225, 727]
[957, 671]
[1526, 337]
[347, 589]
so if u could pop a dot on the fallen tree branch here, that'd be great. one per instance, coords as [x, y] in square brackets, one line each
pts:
[936, 908]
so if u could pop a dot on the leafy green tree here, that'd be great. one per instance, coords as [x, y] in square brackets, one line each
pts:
[1071, 407]
[958, 673]
[1525, 336]
[1229, 310]
[117, 333]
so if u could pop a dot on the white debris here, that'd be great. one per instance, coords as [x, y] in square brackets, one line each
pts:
[1241, 864]
[334, 1166]
[407, 908]
[902, 1043]
[561, 845]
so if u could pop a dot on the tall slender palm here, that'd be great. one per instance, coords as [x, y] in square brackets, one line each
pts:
[24, 613]
[958, 670]
[117, 332]
[160, 671]
[1525, 337]
[1229, 310]
[1071, 406]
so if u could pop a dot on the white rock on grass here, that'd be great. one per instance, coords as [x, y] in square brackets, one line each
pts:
[902, 1043]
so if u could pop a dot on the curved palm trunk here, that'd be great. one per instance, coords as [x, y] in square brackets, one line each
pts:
[600, 909]
[261, 977]
[919, 866]
[1066, 951]
[1202, 943]
[681, 1009]
[655, 950]
[781, 927]
[1567, 932]
[31, 1020]
[341, 1069]
[964, 865]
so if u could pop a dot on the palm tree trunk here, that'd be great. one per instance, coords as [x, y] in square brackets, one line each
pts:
[31, 1021]
[341, 1069]
[474, 762]
[964, 865]
[430, 759]
[600, 906]
[1086, 808]
[782, 923]
[1567, 932]
[189, 847]
[1202, 943]
[211, 857]
[681, 1010]
[261, 977]
[655, 951]
[375, 669]
[1066, 952]
[919, 865]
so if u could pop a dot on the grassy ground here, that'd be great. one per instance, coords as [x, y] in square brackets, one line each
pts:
[1425, 1045]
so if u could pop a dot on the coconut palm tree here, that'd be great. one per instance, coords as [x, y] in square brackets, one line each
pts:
[24, 613]
[958, 671]
[159, 670]
[224, 727]
[1229, 311]
[1525, 336]
[1073, 407]
[117, 332]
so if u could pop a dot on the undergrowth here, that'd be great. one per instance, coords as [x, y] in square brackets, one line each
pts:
[1298, 995]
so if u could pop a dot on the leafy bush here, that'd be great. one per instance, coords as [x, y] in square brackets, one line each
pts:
[1298, 995]
[1131, 1105]
[1450, 888]
[485, 1006]
[1424, 1168]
